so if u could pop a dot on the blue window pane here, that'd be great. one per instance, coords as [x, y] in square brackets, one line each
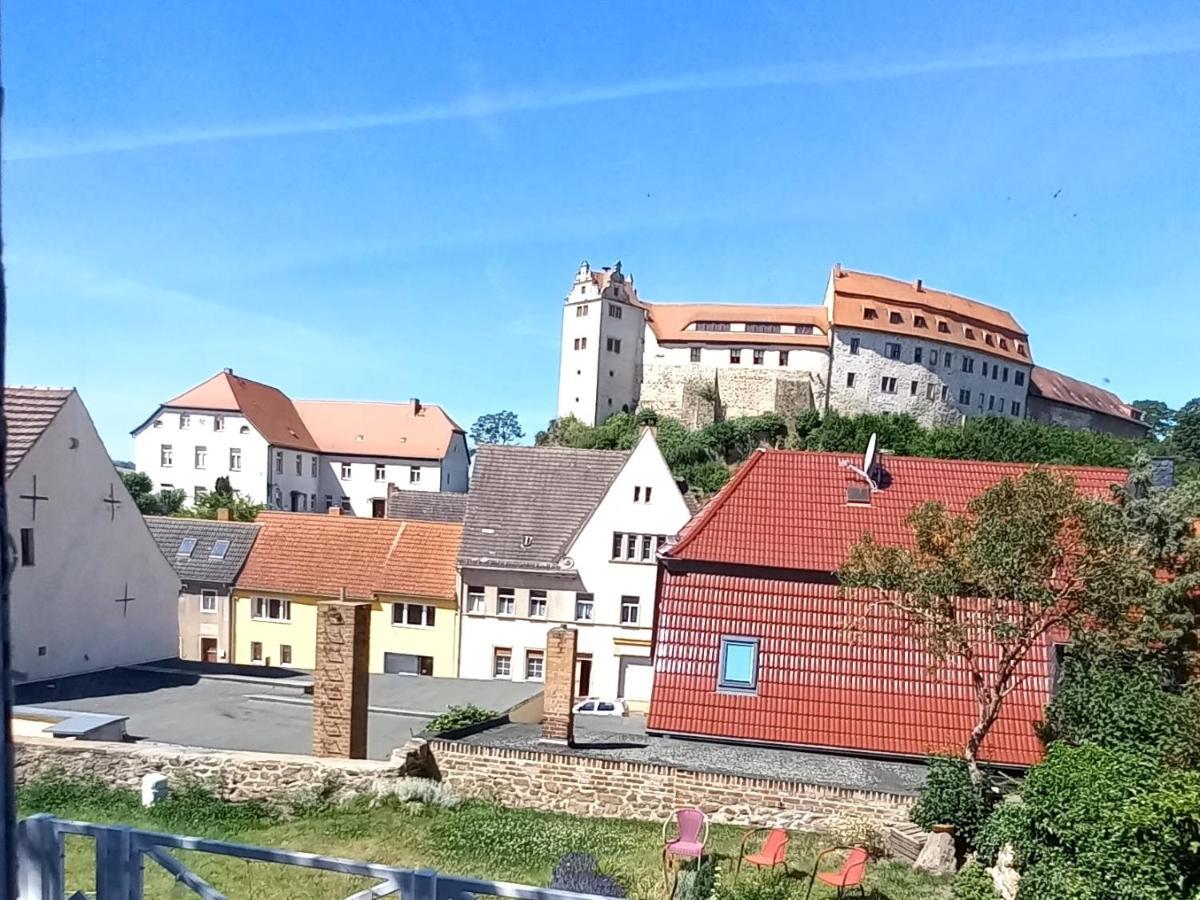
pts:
[739, 663]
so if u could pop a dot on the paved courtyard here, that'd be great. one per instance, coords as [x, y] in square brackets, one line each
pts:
[228, 708]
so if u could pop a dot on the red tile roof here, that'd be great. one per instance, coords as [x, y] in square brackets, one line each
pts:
[1060, 388]
[268, 408]
[787, 509]
[835, 672]
[318, 555]
[969, 323]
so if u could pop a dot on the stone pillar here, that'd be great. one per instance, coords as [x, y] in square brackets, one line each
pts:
[558, 718]
[341, 683]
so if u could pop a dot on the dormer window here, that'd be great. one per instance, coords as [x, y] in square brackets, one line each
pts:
[989, 340]
[895, 318]
[969, 333]
[1003, 344]
[943, 328]
[919, 322]
[869, 313]
[1021, 348]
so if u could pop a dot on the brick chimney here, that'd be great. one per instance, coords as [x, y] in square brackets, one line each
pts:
[335, 510]
[341, 682]
[223, 514]
[416, 405]
[558, 718]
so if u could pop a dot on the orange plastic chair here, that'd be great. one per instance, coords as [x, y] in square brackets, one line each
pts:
[850, 875]
[772, 853]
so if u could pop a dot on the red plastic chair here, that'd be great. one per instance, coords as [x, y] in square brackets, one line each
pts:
[850, 875]
[772, 853]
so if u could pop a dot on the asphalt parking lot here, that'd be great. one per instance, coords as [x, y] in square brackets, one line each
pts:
[230, 710]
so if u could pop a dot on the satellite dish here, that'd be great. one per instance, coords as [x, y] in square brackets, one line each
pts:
[867, 464]
[869, 456]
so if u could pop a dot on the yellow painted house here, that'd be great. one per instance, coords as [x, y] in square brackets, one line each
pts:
[405, 569]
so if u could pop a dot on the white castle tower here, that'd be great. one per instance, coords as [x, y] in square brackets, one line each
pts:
[602, 342]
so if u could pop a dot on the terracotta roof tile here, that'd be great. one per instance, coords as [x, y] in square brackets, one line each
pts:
[28, 411]
[670, 322]
[421, 431]
[835, 671]
[969, 323]
[319, 555]
[788, 509]
[1063, 389]
[268, 408]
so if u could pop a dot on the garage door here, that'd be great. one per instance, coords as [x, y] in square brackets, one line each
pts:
[407, 664]
[637, 677]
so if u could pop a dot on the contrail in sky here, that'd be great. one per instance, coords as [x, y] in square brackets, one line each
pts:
[1165, 42]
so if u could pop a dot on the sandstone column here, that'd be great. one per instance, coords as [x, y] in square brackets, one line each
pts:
[558, 719]
[341, 683]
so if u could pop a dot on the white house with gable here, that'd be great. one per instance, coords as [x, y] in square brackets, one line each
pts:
[90, 589]
[556, 535]
[302, 455]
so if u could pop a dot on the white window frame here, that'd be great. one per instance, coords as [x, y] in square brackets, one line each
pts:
[414, 474]
[278, 462]
[380, 472]
[207, 607]
[427, 615]
[476, 600]
[185, 420]
[506, 597]
[582, 602]
[235, 459]
[260, 610]
[345, 471]
[316, 467]
[200, 458]
[299, 465]
[502, 654]
[543, 599]
[628, 601]
[538, 657]
[218, 423]
[166, 456]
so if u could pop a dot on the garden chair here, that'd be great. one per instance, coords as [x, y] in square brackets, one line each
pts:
[850, 875]
[691, 833]
[772, 853]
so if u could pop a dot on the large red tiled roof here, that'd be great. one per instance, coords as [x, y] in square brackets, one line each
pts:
[835, 671]
[267, 408]
[967, 323]
[787, 509]
[318, 555]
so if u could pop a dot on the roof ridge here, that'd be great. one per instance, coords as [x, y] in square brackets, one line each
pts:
[945, 459]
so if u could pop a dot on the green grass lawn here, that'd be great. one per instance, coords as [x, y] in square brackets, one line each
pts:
[472, 839]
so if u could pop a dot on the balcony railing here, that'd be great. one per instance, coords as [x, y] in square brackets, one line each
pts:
[122, 854]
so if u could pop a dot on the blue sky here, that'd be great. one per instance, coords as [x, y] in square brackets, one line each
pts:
[386, 200]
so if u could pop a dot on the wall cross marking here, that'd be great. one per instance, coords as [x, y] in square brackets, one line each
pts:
[125, 600]
[112, 502]
[34, 498]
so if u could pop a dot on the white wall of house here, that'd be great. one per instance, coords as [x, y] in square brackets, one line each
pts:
[65, 614]
[605, 638]
[806, 359]
[937, 398]
[235, 433]
[293, 473]
[367, 478]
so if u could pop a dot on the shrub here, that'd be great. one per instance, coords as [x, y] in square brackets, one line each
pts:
[764, 885]
[1124, 702]
[850, 830]
[1100, 823]
[974, 883]
[192, 806]
[949, 797]
[698, 881]
[456, 717]
[578, 872]
[1003, 826]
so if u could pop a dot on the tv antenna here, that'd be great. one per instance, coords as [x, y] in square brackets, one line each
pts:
[868, 463]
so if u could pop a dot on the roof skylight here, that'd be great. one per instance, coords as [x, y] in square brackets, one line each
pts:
[186, 546]
[219, 549]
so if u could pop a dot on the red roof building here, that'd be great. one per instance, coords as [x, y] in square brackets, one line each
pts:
[754, 641]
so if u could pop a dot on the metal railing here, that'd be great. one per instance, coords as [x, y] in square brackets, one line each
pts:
[122, 854]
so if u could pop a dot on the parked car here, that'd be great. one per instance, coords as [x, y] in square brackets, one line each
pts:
[600, 706]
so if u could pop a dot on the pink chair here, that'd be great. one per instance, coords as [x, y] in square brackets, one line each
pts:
[691, 833]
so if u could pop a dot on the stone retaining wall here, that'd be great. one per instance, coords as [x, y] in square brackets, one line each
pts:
[554, 782]
[231, 774]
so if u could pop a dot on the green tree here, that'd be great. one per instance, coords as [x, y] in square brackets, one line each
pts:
[497, 428]
[1185, 437]
[149, 502]
[1124, 701]
[223, 496]
[1156, 414]
[1028, 557]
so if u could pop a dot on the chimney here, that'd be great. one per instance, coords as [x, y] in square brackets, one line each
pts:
[919, 285]
[837, 270]
[416, 405]
[391, 488]
[227, 371]
[335, 510]
[558, 697]
[223, 514]
[341, 682]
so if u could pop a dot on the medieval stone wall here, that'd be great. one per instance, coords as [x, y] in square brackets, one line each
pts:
[685, 392]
